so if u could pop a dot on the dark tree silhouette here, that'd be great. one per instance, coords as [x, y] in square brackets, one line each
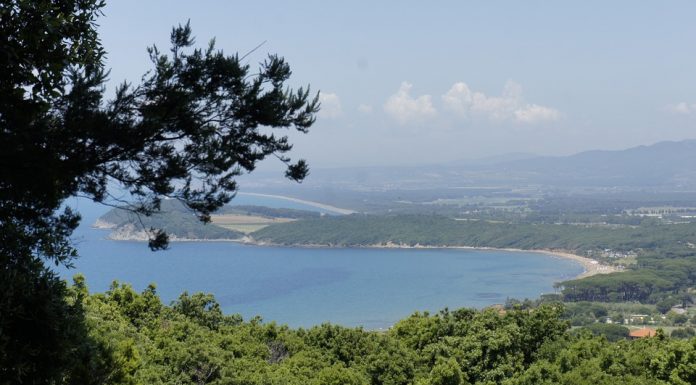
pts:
[196, 121]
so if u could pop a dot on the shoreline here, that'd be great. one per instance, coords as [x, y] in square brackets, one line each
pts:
[590, 266]
[327, 207]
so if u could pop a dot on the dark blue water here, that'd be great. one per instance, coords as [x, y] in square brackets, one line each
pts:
[304, 287]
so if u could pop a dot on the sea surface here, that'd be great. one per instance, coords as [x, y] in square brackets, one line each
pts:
[372, 288]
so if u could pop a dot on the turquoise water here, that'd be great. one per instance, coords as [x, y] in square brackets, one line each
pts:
[307, 286]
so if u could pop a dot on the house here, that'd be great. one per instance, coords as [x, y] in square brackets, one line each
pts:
[639, 318]
[678, 309]
[642, 333]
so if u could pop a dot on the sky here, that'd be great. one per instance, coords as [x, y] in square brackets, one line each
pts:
[416, 82]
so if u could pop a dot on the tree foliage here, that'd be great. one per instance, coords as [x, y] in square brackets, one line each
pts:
[197, 120]
[161, 344]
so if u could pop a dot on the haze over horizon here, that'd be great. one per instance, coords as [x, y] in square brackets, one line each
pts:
[410, 83]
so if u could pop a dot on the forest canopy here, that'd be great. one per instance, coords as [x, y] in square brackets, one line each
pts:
[192, 342]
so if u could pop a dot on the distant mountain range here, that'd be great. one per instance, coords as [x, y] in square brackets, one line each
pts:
[661, 166]
[665, 163]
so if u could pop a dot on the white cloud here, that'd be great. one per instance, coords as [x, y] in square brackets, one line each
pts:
[681, 108]
[464, 102]
[458, 99]
[406, 109]
[330, 105]
[365, 109]
[533, 113]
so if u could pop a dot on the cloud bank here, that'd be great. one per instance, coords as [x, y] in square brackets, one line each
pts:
[682, 108]
[464, 103]
[510, 106]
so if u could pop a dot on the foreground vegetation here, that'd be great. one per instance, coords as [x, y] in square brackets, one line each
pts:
[194, 122]
[134, 338]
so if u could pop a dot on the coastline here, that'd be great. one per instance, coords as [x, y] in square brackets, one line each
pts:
[322, 206]
[590, 266]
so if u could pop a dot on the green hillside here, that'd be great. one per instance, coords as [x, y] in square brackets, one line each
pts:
[174, 219]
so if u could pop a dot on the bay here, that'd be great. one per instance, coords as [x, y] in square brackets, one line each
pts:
[307, 286]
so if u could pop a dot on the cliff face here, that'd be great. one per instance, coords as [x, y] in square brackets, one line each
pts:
[127, 232]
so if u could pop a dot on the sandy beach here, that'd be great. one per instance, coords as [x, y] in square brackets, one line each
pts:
[591, 266]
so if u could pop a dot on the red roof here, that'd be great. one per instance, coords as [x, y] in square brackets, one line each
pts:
[642, 333]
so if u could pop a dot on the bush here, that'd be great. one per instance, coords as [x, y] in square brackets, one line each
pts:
[683, 333]
[612, 332]
[677, 319]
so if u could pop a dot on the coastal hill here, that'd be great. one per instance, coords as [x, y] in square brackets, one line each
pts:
[229, 223]
[174, 218]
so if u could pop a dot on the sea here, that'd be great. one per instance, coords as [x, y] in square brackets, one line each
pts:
[302, 287]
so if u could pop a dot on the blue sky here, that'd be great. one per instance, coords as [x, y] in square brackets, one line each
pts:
[423, 82]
